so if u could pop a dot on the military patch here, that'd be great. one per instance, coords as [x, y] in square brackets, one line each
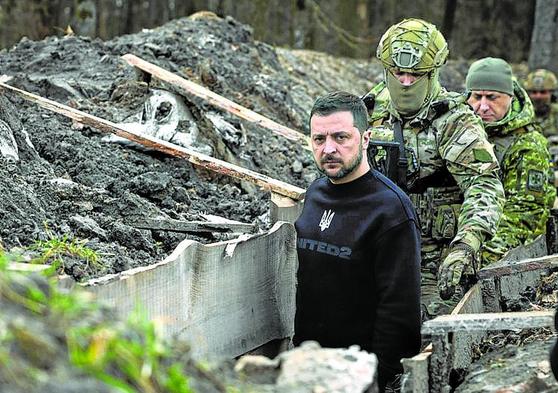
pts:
[535, 180]
[482, 155]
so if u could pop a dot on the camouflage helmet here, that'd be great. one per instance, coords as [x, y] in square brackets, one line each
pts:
[541, 79]
[412, 45]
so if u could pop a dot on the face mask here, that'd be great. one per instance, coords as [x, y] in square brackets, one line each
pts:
[407, 100]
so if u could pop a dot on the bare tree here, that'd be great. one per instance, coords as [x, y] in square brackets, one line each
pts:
[449, 18]
[544, 48]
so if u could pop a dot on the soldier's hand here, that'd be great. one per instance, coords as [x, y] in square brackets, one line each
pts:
[452, 268]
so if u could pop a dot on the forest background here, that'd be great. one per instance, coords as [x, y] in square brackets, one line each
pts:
[515, 30]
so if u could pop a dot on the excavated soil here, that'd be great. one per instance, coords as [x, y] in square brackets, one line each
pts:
[70, 180]
[61, 178]
[73, 180]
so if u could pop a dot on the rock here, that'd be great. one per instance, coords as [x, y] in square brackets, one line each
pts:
[297, 166]
[257, 369]
[88, 227]
[310, 368]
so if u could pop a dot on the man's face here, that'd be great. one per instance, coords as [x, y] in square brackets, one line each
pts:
[491, 106]
[540, 98]
[338, 146]
[406, 78]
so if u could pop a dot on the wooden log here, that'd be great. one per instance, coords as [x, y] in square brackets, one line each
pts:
[198, 159]
[440, 359]
[167, 224]
[215, 99]
[488, 322]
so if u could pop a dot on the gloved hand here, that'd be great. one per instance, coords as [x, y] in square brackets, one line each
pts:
[452, 268]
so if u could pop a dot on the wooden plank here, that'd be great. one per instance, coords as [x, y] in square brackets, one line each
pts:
[284, 209]
[198, 159]
[216, 99]
[167, 224]
[462, 342]
[488, 322]
[27, 267]
[224, 302]
[505, 268]
[416, 377]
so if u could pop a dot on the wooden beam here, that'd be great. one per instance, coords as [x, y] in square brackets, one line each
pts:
[168, 224]
[27, 267]
[488, 321]
[216, 99]
[198, 159]
[416, 369]
[284, 209]
[504, 268]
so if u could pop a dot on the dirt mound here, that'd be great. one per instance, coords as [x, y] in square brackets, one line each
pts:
[70, 180]
[74, 180]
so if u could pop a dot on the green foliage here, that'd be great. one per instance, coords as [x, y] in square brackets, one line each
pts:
[129, 356]
[55, 250]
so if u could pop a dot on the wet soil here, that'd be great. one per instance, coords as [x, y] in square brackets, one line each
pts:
[70, 180]
[517, 361]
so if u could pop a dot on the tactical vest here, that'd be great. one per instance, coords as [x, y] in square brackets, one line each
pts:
[430, 186]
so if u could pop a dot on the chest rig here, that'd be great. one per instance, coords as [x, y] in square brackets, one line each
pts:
[409, 156]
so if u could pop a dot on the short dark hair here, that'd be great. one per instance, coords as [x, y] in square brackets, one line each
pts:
[339, 101]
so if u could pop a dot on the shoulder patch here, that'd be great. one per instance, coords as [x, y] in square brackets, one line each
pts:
[482, 155]
[535, 180]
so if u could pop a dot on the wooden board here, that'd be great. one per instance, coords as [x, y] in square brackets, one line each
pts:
[506, 268]
[488, 322]
[168, 224]
[215, 99]
[225, 298]
[196, 158]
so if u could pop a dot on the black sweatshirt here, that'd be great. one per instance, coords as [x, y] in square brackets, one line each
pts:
[359, 269]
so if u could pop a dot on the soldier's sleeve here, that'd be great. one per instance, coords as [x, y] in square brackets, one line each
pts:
[529, 195]
[470, 159]
[381, 103]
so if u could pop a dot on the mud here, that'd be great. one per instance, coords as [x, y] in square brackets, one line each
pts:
[72, 180]
[517, 361]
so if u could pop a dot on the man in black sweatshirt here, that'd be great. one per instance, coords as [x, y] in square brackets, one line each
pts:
[358, 246]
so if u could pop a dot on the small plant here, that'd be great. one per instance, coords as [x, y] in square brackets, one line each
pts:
[128, 356]
[55, 250]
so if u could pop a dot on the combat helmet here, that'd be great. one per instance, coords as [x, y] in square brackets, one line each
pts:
[541, 79]
[412, 45]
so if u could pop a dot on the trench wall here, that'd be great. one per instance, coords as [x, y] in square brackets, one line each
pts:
[225, 298]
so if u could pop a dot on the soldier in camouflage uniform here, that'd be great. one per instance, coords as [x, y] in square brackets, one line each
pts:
[442, 156]
[540, 85]
[522, 153]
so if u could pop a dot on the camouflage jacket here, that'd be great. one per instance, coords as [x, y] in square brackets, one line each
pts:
[549, 121]
[452, 172]
[524, 160]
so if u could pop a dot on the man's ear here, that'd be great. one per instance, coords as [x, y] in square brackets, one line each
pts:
[365, 138]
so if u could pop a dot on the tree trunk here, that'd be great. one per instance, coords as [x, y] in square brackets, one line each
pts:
[544, 49]
[449, 17]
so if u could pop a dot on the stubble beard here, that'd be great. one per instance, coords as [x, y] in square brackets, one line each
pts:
[345, 169]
